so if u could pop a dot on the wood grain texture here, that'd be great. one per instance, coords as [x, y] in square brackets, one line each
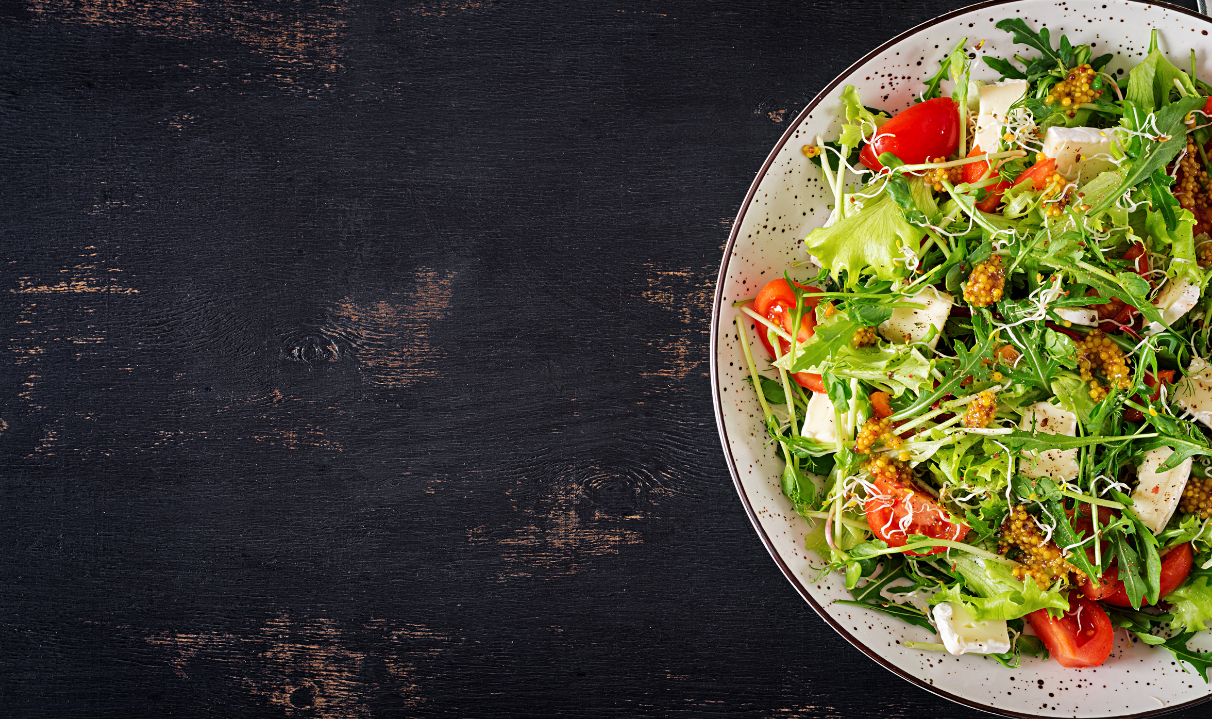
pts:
[354, 360]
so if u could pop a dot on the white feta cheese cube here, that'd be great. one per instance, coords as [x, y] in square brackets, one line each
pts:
[1078, 316]
[1176, 299]
[1194, 391]
[1084, 151]
[995, 105]
[962, 634]
[908, 324]
[1156, 496]
[820, 421]
[1057, 464]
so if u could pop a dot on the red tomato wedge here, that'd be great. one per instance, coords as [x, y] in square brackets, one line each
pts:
[1081, 637]
[1038, 173]
[974, 171]
[1165, 377]
[881, 402]
[776, 302]
[919, 134]
[1118, 314]
[898, 511]
[1176, 565]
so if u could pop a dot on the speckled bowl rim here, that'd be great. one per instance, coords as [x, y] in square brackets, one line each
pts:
[717, 399]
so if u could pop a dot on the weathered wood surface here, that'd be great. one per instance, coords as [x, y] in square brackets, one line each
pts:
[355, 360]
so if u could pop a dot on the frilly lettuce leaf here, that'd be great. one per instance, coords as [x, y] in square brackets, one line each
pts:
[1191, 604]
[872, 240]
[1001, 595]
[1181, 242]
[1074, 395]
[892, 369]
[857, 117]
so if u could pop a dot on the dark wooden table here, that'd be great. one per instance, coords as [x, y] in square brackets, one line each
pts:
[355, 360]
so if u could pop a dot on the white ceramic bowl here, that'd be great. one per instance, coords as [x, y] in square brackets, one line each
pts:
[786, 200]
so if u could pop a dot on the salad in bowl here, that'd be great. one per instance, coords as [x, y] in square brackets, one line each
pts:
[989, 375]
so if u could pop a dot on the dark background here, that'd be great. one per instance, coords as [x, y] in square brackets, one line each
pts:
[354, 359]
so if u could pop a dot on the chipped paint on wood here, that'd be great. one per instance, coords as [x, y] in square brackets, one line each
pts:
[308, 667]
[291, 35]
[391, 338]
[560, 533]
[687, 293]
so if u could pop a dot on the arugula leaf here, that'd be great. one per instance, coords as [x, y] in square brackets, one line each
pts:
[1026, 36]
[1182, 437]
[1139, 623]
[1129, 569]
[1163, 200]
[1005, 68]
[1158, 152]
[1018, 439]
[870, 595]
[1200, 661]
[1067, 537]
[968, 364]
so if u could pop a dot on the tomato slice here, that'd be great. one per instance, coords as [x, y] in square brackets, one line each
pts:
[1120, 314]
[898, 511]
[973, 172]
[776, 302]
[881, 403]
[1038, 173]
[925, 131]
[1166, 377]
[1176, 565]
[1081, 637]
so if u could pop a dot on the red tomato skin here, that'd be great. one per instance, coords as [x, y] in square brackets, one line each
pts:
[1208, 107]
[776, 302]
[881, 403]
[925, 131]
[1038, 173]
[1125, 314]
[973, 172]
[1176, 565]
[1082, 637]
[895, 501]
[1166, 377]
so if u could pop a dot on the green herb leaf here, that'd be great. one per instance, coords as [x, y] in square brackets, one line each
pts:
[1160, 151]
[1200, 661]
[1026, 36]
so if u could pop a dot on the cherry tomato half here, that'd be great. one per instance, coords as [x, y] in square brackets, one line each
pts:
[1082, 637]
[776, 302]
[1038, 173]
[898, 511]
[881, 403]
[1165, 377]
[1119, 314]
[925, 131]
[1176, 565]
[974, 171]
